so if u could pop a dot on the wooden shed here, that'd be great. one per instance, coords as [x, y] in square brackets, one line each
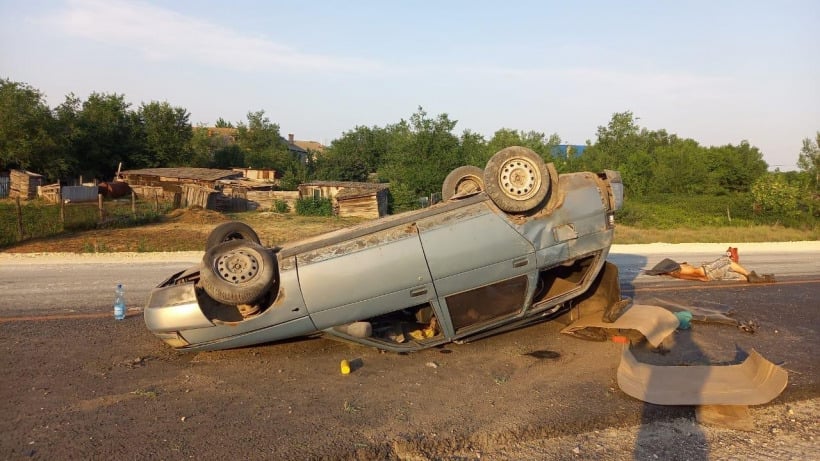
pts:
[24, 184]
[361, 199]
[259, 174]
[172, 179]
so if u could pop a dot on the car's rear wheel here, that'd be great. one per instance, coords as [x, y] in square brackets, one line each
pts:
[461, 181]
[237, 272]
[232, 230]
[516, 179]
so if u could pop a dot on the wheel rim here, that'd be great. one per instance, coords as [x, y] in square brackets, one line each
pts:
[519, 178]
[237, 267]
[468, 185]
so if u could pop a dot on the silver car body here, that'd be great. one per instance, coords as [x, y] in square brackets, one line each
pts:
[474, 268]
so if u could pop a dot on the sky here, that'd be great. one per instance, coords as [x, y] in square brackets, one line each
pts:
[719, 72]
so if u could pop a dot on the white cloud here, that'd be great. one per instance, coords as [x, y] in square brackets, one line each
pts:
[646, 83]
[163, 35]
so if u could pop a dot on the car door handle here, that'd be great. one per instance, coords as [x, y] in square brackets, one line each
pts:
[418, 292]
[520, 262]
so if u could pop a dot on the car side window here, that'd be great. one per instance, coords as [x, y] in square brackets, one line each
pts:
[487, 303]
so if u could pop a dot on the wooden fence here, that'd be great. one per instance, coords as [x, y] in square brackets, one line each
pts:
[20, 221]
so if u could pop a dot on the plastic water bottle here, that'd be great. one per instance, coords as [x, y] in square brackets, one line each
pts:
[119, 303]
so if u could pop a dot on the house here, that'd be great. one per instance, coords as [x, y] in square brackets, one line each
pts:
[361, 199]
[311, 146]
[297, 151]
[301, 150]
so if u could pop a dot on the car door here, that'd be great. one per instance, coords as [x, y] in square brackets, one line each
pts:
[482, 268]
[364, 277]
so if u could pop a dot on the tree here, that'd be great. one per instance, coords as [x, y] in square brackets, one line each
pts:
[66, 134]
[735, 168]
[679, 168]
[614, 143]
[534, 140]
[474, 149]
[221, 123]
[421, 153]
[262, 143]
[354, 155]
[809, 159]
[774, 196]
[165, 135]
[105, 137]
[26, 130]
[227, 157]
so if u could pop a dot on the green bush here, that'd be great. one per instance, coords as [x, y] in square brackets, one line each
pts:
[280, 206]
[774, 196]
[314, 207]
[669, 211]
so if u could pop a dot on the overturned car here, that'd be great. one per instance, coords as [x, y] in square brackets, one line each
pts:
[509, 245]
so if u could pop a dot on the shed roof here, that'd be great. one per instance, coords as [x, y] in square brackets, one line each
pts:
[204, 174]
[28, 173]
[377, 186]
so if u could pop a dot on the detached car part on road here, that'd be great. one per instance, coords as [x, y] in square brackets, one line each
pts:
[511, 245]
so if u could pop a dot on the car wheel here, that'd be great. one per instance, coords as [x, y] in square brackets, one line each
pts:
[463, 180]
[516, 179]
[233, 230]
[237, 272]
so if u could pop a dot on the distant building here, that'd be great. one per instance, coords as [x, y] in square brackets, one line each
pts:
[362, 199]
[568, 150]
[301, 150]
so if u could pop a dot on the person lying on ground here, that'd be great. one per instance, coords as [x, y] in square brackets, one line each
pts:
[725, 267]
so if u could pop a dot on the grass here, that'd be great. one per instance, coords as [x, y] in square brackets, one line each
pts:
[349, 407]
[714, 234]
[708, 219]
[666, 220]
[500, 380]
[42, 220]
[145, 393]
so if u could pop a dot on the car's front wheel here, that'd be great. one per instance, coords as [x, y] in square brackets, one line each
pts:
[237, 272]
[516, 179]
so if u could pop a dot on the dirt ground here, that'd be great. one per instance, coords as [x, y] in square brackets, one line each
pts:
[182, 230]
[89, 388]
[94, 388]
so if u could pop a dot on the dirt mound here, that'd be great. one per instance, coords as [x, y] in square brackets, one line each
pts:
[196, 216]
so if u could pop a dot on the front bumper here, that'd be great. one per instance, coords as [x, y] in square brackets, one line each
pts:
[172, 309]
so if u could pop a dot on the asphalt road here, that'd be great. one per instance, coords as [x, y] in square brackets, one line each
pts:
[70, 381]
[84, 283]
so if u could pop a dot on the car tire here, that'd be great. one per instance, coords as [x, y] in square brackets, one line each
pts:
[232, 230]
[237, 272]
[516, 179]
[463, 180]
